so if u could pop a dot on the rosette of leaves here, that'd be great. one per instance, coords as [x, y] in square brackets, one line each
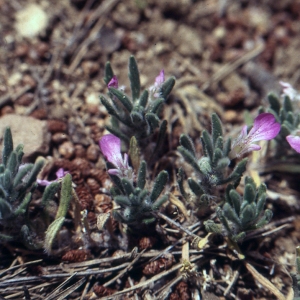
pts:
[286, 116]
[17, 183]
[138, 204]
[212, 169]
[241, 214]
[136, 115]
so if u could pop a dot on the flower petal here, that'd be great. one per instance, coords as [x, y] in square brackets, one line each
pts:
[61, 173]
[159, 80]
[294, 142]
[288, 90]
[243, 133]
[113, 83]
[264, 128]
[43, 182]
[110, 146]
[115, 172]
[253, 147]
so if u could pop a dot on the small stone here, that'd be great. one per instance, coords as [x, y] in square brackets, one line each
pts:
[119, 254]
[14, 79]
[80, 151]
[219, 33]
[21, 50]
[55, 126]
[27, 79]
[31, 20]
[127, 15]
[7, 110]
[25, 99]
[82, 165]
[92, 153]
[59, 137]
[188, 41]
[259, 19]
[92, 98]
[30, 132]
[237, 90]
[90, 67]
[231, 116]
[93, 185]
[232, 82]
[39, 113]
[92, 109]
[109, 39]
[66, 150]
[41, 49]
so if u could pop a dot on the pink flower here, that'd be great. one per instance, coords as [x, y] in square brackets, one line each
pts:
[159, 80]
[265, 127]
[59, 174]
[110, 146]
[113, 83]
[294, 141]
[289, 91]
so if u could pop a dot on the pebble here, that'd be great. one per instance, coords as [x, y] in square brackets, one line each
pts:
[188, 41]
[59, 137]
[231, 116]
[26, 99]
[66, 149]
[127, 15]
[92, 153]
[31, 20]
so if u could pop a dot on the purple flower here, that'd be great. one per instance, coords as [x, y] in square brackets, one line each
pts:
[294, 141]
[59, 174]
[110, 146]
[289, 91]
[159, 80]
[265, 127]
[113, 83]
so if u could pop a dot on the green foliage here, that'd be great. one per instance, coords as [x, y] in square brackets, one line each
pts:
[138, 204]
[241, 214]
[17, 182]
[64, 202]
[286, 116]
[137, 116]
[17, 185]
[212, 169]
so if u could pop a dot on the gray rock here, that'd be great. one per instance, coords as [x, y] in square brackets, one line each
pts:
[30, 132]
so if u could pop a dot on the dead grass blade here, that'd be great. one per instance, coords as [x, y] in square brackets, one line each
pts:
[264, 281]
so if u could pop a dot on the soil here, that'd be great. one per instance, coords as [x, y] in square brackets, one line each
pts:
[226, 57]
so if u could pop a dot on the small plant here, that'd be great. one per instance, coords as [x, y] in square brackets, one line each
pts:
[241, 214]
[17, 183]
[212, 169]
[139, 115]
[137, 203]
[289, 119]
